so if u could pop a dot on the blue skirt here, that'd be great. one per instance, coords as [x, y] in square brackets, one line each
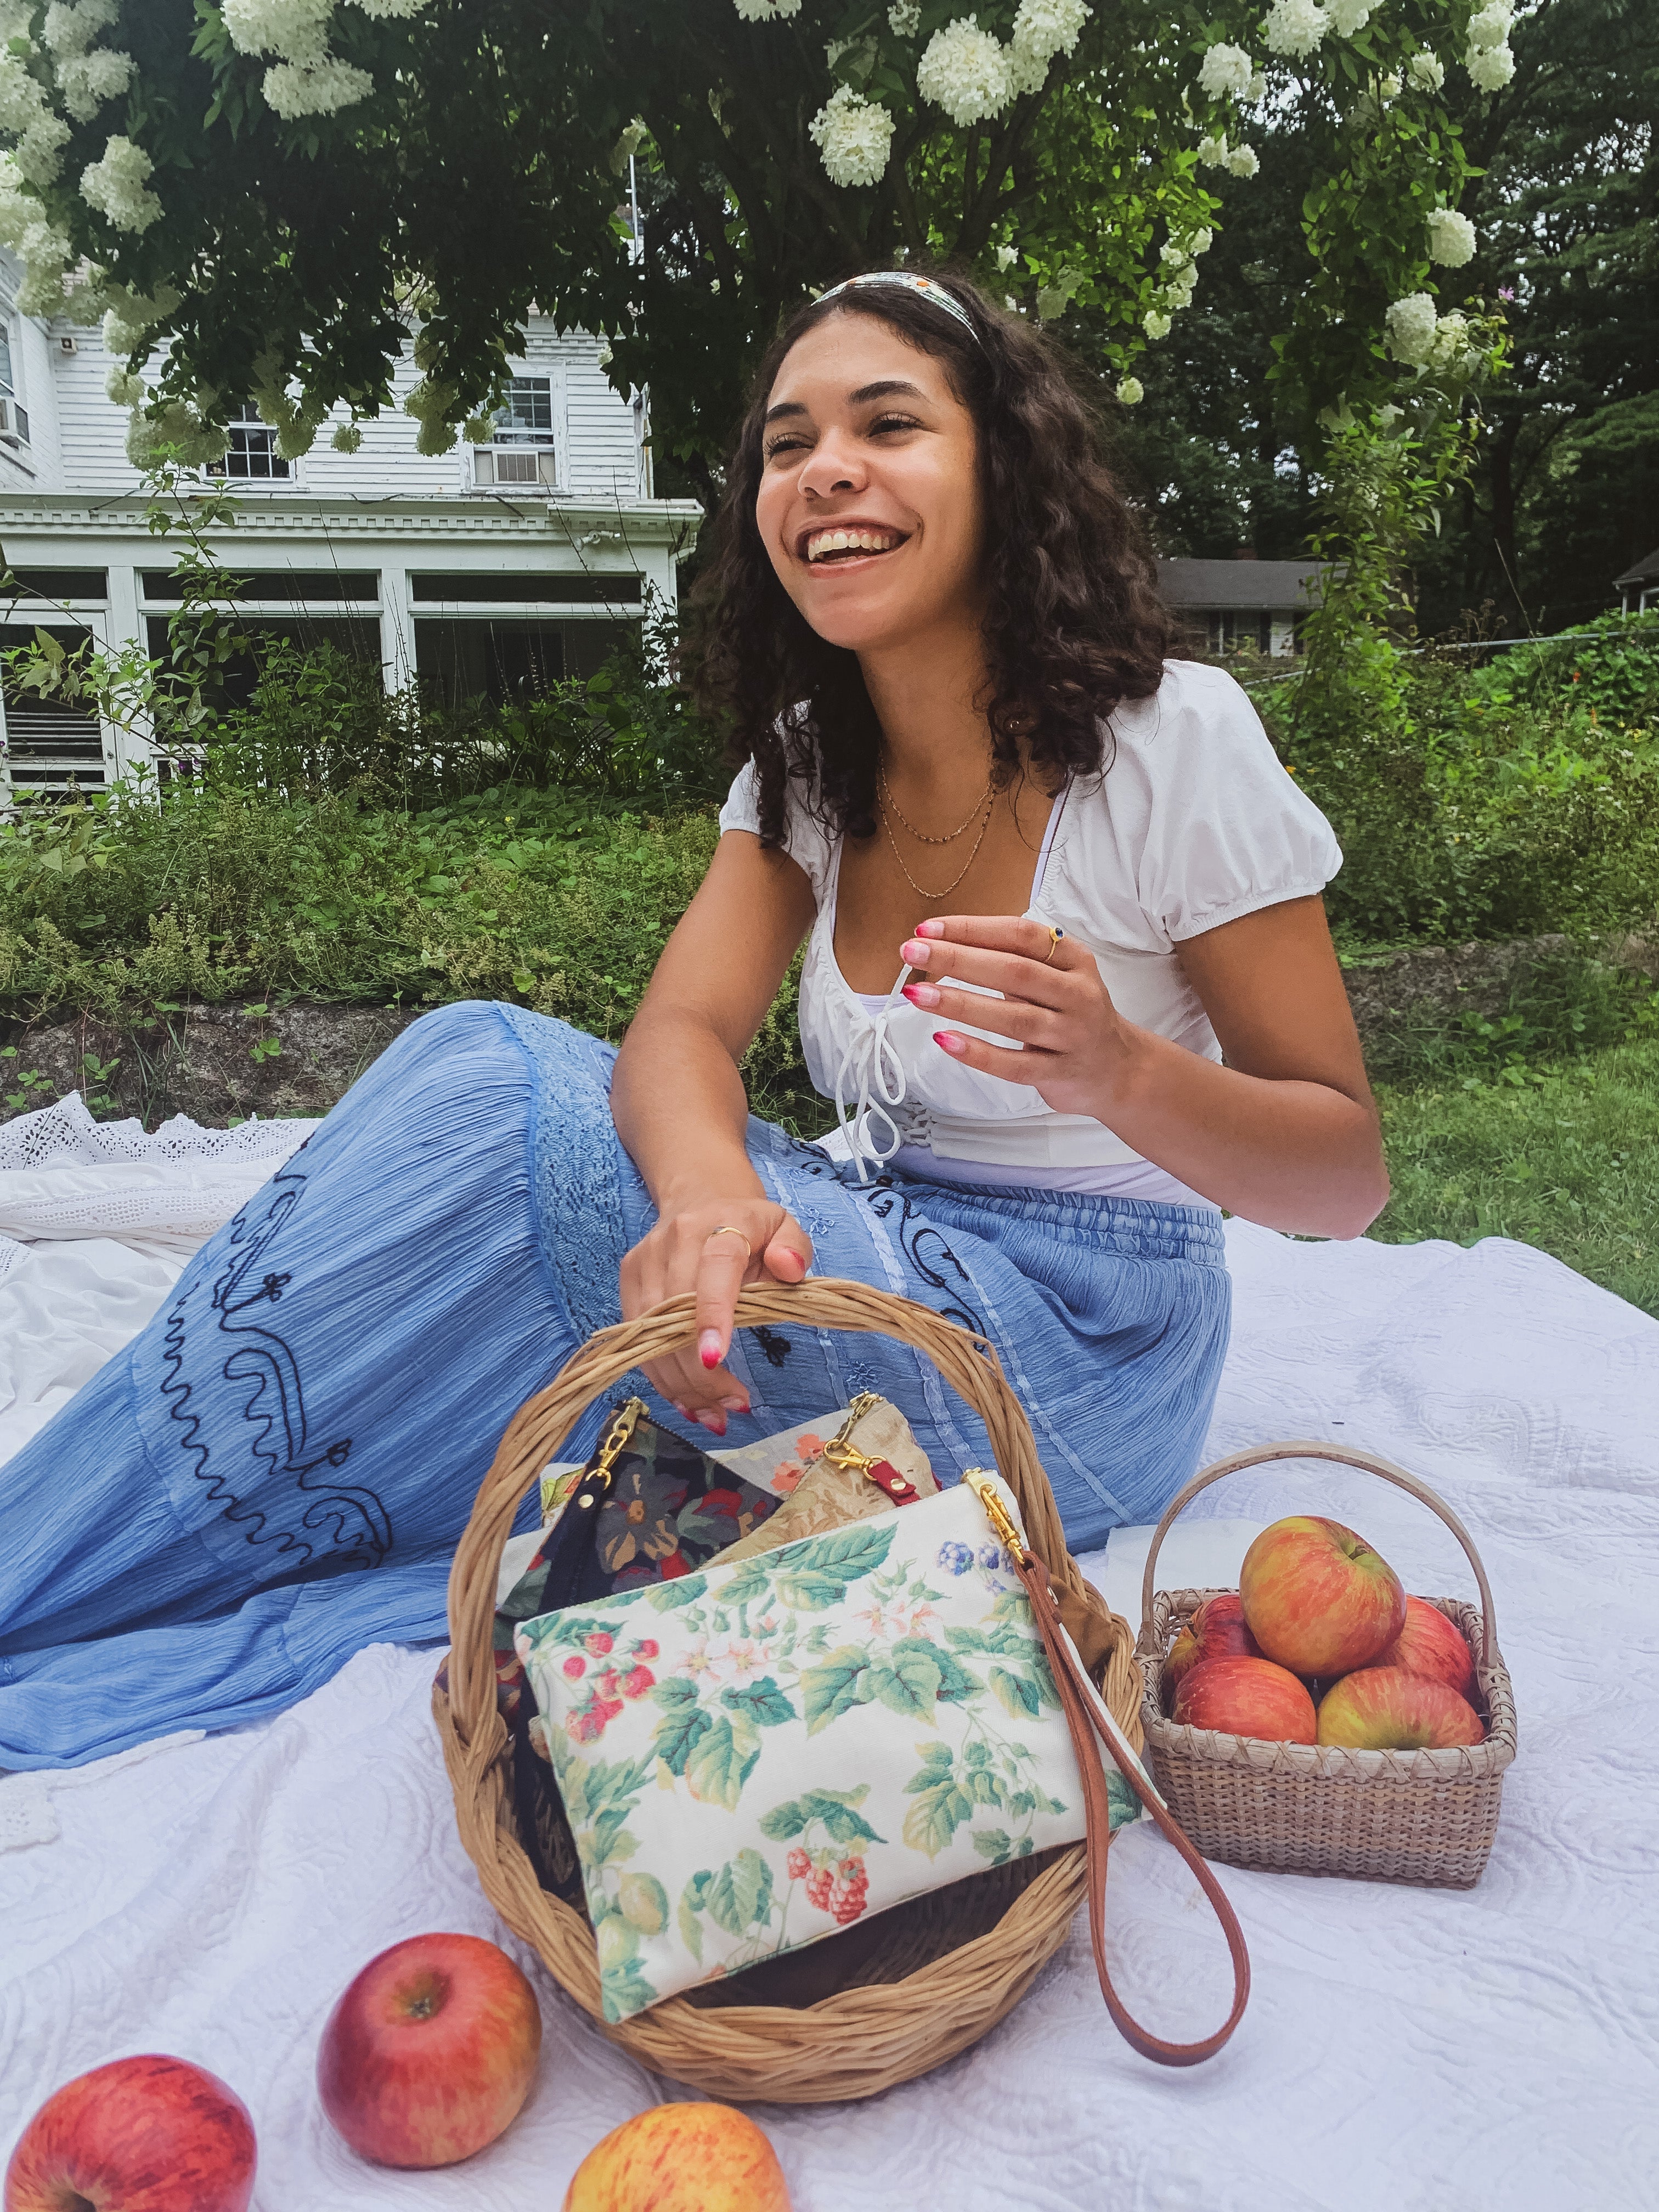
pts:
[275, 1471]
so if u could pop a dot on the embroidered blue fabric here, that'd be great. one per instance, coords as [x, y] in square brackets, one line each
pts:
[275, 1473]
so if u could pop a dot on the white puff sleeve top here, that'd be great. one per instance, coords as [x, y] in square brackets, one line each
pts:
[1193, 823]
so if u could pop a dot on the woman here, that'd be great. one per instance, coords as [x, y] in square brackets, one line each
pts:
[1046, 879]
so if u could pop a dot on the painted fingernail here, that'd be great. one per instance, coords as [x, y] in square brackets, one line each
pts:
[715, 1423]
[948, 1040]
[930, 929]
[735, 1405]
[922, 995]
[710, 1349]
[915, 953]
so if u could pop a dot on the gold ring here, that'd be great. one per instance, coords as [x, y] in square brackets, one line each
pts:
[726, 1230]
[1054, 936]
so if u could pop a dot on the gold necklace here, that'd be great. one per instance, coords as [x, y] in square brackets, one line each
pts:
[921, 835]
[990, 801]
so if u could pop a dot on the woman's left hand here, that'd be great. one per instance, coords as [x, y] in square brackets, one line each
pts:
[1078, 1049]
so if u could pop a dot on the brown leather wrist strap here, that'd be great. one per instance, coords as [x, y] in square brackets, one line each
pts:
[1084, 1719]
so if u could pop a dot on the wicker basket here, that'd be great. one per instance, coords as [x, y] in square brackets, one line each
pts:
[945, 1978]
[1413, 1816]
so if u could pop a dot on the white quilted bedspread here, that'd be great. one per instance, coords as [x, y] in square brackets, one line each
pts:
[1405, 2051]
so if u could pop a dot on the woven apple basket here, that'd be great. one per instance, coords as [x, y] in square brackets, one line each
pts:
[1428, 1817]
[952, 1972]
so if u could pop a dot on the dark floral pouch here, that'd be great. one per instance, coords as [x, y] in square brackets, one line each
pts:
[647, 1507]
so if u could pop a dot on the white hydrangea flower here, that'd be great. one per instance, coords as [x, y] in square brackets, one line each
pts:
[1130, 391]
[321, 89]
[382, 10]
[69, 29]
[1006, 256]
[1492, 25]
[964, 71]
[1256, 91]
[1213, 150]
[1176, 256]
[115, 185]
[178, 425]
[853, 137]
[1226, 72]
[1156, 325]
[293, 30]
[1242, 161]
[89, 80]
[1294, 27]
[1490, 68]
[1178, 291]
[764, 11]
[21, 99]
[1451, 238]
[905, 18]
[39, 151]
[1043, 28]
[1428, 70]
[1391, 87]
[1349, 17]
[125, 388]
[1201, 242]
[1451, 339]
[348, 437]
[1410, 324]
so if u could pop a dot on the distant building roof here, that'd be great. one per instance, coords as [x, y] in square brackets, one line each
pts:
[1644, 572]
[1237, 585]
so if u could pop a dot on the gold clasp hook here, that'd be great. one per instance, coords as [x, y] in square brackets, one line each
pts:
[980, 1480]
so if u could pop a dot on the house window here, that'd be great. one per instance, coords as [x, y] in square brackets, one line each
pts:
[251, 448]
[523, 448]
[14, 419]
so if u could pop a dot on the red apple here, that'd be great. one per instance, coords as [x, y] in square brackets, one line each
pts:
[140, 2134]
[1317, 1598]
[430, 2053]
[1431, 1645]
[1386, 1708]
[1216, 1631]
[1247, 1697]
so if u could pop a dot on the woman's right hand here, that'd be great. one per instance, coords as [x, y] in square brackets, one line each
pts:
[691, 1249]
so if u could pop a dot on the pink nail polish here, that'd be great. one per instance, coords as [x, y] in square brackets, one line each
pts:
[710, 1350]
[920, 994]
[915, 953]
[734, 1405]
[930, 929]
[715, 1423]
[948, 1040]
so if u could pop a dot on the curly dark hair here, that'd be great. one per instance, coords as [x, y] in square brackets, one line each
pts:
[1075, 624]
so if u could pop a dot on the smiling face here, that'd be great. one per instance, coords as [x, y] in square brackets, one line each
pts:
[869, 504]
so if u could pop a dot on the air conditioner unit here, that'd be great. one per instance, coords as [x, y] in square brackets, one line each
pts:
[14, 423]
[503, 465]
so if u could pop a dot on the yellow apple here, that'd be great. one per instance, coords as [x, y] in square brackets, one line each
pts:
[681, 2158]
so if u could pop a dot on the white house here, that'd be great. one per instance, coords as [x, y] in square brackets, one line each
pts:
[478, 570]
[1226, 604]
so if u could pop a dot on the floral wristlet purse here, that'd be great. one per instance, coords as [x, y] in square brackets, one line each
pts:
[822, 1731]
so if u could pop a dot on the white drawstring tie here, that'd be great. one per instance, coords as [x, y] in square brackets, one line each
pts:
[872, 1058]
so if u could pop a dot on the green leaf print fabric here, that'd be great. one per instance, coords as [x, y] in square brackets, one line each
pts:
[756, 1756]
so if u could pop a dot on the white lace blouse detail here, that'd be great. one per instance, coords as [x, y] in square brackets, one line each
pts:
[1193, 823]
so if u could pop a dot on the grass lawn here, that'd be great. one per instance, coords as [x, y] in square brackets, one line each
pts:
[1569, 1162]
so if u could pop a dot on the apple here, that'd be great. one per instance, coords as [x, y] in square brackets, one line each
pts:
[430, 2053]
[1386, 1708]
[1216, 1631]
[1317, 1598]
[680, 2158]
[1247, 1697]
[1431, 1645]
[141, 2135]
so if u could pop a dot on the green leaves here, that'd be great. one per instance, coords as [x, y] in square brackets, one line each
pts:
[834, 1687]
[740, 1896]
[907, 1682]
[1016, 1692]
[762, 1701]
[679, 1733]
[722, 1759]
[834, 1808]
[936, 1811]
[816, 1573]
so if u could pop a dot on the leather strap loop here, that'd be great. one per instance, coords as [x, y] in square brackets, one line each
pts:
[1084, 1719]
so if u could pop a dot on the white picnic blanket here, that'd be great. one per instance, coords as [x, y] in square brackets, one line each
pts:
[1405, 2051]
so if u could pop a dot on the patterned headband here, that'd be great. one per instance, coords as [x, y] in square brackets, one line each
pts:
[923, 287]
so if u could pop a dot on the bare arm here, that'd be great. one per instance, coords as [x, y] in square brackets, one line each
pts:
[1285, 1132]
[678, 1103]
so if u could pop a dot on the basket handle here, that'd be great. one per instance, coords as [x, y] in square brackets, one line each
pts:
[1311, 1448]
[967, 1362]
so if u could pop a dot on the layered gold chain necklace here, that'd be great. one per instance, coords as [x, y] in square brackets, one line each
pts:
[981, 812]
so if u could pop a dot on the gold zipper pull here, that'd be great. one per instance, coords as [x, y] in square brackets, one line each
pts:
[839, 1451]
[622, 1429]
